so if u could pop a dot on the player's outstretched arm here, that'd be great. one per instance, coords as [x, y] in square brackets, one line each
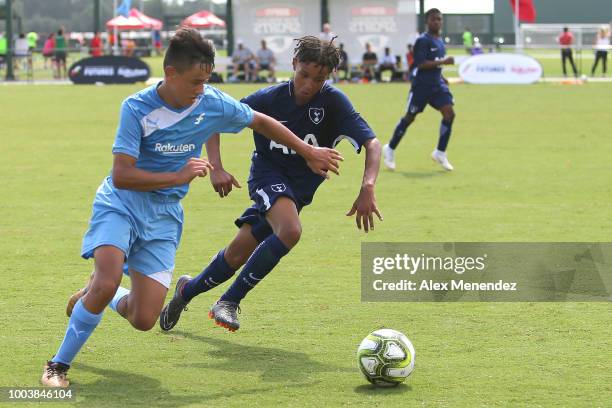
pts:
[221, 180]
[319, 159]
[432, 64]
[365, 206]
[128, 177]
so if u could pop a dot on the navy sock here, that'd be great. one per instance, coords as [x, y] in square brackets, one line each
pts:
[262, 261]
[217, 272]
[398, 133]
[445, 133]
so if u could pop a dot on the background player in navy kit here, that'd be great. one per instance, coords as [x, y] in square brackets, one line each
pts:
[428, 87]
[280, 184]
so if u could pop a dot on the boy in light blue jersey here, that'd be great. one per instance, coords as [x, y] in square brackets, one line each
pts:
[137, 216]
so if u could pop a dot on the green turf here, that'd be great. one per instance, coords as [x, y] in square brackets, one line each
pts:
[532, 164]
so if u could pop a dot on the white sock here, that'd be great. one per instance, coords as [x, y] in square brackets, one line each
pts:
[120, 294]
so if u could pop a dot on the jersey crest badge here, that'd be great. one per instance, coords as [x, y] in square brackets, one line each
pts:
[199, 119]
[278, 188]
[316, 115]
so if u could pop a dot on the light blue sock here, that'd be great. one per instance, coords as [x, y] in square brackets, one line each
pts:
[120, 294]
[80, 326]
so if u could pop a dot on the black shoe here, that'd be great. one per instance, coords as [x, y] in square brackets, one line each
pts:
[171, 313]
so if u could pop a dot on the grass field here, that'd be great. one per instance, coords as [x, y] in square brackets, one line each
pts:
[532, 164]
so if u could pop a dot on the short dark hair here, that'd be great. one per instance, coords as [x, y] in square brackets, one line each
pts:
[432, 11]
[187, 47]
[312, 49]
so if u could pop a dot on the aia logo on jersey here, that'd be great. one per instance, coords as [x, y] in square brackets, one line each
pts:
[278, 188]
[316, 115]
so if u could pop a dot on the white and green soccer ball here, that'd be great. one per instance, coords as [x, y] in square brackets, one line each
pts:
[386, 357]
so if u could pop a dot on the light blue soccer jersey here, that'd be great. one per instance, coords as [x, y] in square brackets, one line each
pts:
[163, 139]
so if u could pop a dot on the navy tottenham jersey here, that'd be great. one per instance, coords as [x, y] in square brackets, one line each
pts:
[324, 121]
[428, 48]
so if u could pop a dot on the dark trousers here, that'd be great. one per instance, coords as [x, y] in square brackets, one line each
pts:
[566, 54]
[344, 67]
[603, 56]
[385, 67]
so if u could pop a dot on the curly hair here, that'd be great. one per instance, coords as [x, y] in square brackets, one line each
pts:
[310, 49]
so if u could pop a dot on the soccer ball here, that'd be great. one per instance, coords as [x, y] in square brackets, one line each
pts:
[386, 357]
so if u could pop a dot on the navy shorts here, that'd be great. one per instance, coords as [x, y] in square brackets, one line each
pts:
[265, 187]
[421, 96]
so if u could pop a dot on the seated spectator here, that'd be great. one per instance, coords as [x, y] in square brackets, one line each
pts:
[387, 63]
[369, 60]
[410, 57]
[409, 62]
[242, 60]
[343, 66]
[265, 61]
[398, 75]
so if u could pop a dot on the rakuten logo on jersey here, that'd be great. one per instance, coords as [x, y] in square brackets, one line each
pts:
[170, 149]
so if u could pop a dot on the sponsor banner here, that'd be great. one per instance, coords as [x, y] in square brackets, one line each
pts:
[109, 70]
[499, 68]
[486, 272]
[278, 22]
[382, 23]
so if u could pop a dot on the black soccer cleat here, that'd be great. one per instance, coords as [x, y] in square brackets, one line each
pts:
[171, 313]
[225, 314]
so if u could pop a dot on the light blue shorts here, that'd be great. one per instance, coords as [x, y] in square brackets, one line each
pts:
[146, 226]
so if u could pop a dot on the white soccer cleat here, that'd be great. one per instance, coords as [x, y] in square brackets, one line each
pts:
[389, 157]
[440, 158]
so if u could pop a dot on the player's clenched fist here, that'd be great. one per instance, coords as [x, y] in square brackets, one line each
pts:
[323, 159]
[194, 168]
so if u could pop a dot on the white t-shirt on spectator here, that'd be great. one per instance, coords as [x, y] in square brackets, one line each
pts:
[242, 55]
[387, 60]
[265, 56]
